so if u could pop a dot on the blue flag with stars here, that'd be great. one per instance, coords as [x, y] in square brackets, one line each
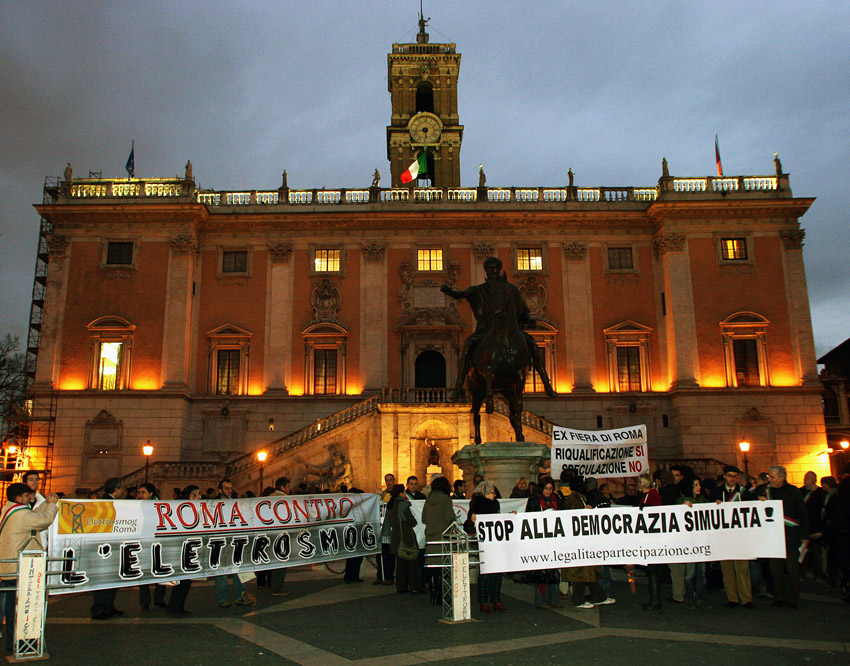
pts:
[131, 161]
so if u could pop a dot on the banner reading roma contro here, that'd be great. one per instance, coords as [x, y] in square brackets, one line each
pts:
[133, 542]
[628, 535]
[600, 453]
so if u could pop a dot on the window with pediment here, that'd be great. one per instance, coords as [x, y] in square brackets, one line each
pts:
[745, 349]
[627, 346]
[228, 356]
[111, 350]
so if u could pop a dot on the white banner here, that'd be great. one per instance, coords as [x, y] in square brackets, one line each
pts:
[134, 542]
[461, 508]
[629, 535]
[600, 453]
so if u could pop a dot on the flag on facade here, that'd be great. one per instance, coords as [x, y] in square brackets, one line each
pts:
[131, 161]
[717, 157]
[413, 171]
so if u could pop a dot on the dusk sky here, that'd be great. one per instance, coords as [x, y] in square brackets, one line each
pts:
[248, 89]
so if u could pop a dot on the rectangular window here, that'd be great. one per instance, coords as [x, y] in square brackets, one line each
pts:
[430, 260]
[746, 362]
[733, 249]
[628, 368]
[108, 366]
[234, 261]
[119, 253]
[620, 259]
[533, 383]
[326, 261]
[324, 371]
[227, 372]
[529, 259]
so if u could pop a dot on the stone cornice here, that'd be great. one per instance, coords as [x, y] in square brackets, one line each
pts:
[664, 211]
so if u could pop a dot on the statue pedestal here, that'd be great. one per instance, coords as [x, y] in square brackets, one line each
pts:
[501, 463]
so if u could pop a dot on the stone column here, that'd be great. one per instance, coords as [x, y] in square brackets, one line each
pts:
[373, 316]
[177, 331]
[797, 293]
[578, 318]
[683, 362]
[278, 347]
[52, 319]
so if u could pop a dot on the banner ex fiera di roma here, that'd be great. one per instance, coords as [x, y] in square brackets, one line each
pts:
[600, 453]
[132, 542]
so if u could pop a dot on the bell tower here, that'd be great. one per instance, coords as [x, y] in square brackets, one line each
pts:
[422, 81]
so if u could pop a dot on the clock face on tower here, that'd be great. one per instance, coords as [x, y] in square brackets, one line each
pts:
[425, 128]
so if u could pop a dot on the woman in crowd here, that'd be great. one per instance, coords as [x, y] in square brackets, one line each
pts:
[438, 514]
[694, 571]
[545, 581]
[403, 542]
[489, 585]
[651, 497]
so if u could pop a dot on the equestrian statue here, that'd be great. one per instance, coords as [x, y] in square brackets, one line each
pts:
[497, 355]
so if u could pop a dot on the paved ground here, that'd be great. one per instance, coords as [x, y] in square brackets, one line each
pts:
[325, 622]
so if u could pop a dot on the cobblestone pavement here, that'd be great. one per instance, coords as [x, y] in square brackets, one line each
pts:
[325, 622]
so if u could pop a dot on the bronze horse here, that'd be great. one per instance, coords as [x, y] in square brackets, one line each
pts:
[500, 360]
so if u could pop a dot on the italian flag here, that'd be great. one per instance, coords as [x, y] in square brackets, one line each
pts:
[419, 166]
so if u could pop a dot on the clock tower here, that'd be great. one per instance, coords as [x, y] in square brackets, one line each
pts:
[422, 82]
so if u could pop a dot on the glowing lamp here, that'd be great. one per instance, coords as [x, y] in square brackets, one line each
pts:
[261, 456]
[844, 444]
[744, 446]
[147, 449]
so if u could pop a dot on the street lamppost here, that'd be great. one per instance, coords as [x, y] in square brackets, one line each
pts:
[745, 446]
[147, 449]
[261, 456]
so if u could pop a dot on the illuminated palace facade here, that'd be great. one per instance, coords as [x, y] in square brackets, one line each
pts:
[303, 322]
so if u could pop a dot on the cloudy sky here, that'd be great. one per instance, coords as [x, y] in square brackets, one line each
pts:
[246, 89]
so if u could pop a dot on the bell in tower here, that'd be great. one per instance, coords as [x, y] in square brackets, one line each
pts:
[422, 81]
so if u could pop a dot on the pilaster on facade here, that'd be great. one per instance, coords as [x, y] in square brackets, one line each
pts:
[177, 329]
[374, 330]
[578, 318]
[800, 318]
[55, 293]
[671, 251]
[279, 307]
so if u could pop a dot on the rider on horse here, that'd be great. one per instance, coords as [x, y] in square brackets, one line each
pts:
[483, 298]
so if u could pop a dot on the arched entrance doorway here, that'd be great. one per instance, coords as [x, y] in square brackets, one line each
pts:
[430, 370]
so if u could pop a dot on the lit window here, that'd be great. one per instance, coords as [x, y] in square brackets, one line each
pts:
[620, 259]
[628, 369]
[112, 339]
[109, 363]
[430, 260]
[227, 372]
[119, 253]
[326, 261]
[746, 357]
[733, 249]
[234, 261]
[529, 259]
[324, 371]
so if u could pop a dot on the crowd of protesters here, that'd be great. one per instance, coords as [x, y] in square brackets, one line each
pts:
[816, 524]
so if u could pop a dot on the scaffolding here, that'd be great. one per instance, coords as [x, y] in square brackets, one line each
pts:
[31, 423]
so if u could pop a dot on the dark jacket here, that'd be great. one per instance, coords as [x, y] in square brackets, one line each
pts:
[517, 493]
[794, 513]
[401, 521]
[480, 505]
[437, 514]
[738, 494]
[814, 500]
[533, 503]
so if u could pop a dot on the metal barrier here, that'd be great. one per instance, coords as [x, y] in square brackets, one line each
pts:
[30, 602]
[458, 552]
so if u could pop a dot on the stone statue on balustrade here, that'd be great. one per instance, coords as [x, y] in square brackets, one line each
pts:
[69, 173]
[482, 178]
[189, 175]
[665, 169]
[777, 164]
[497, 355]
[376, 179]
[331, 477]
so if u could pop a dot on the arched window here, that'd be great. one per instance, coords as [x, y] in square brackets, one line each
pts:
[112, 343]
[425, 97]
[745, 349]
[430, 370]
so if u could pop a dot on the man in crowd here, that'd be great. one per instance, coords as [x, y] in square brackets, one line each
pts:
[225, 492]
[147, 491]
[814, 496]
[459, 490]
[737, 583]
[282, 488]
[412, 490]
[103, 601]
[20, 525]
[386, 559]
[631, 497]
[786, 571]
